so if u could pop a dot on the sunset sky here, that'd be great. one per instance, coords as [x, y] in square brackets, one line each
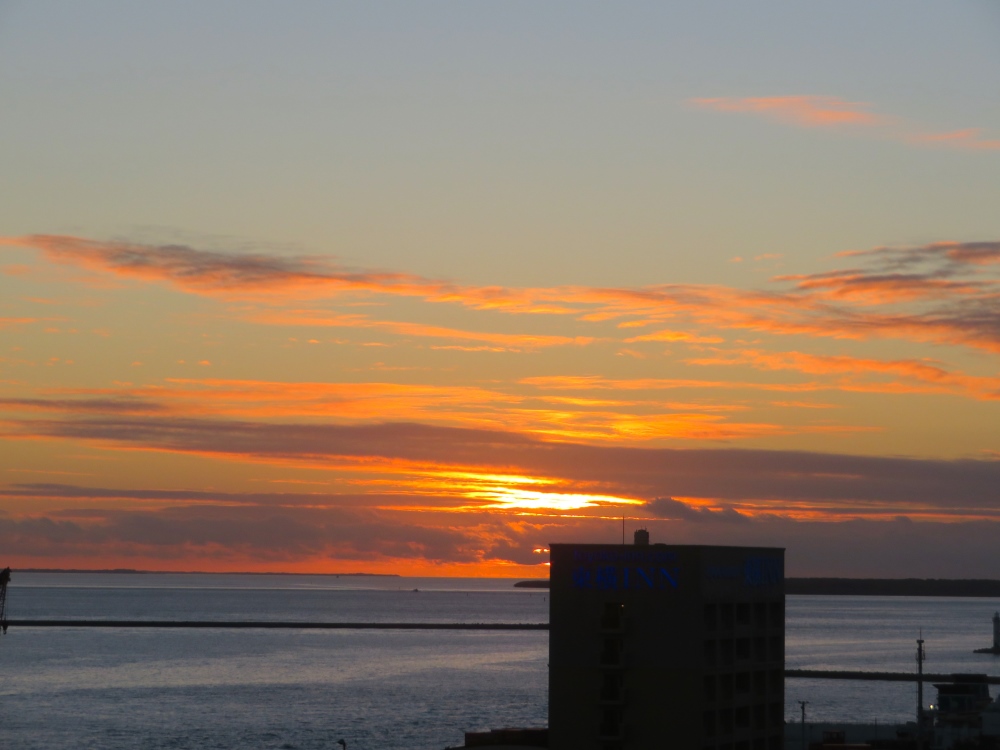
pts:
[422, 287]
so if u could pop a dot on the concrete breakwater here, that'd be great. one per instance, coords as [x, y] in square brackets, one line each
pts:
[838, 674]
[285, 625]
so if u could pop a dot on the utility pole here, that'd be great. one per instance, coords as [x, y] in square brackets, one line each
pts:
[920, 690]
[803, 704]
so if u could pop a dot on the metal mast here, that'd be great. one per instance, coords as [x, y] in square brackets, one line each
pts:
[803, 704]
[4, 578]
[920, 689]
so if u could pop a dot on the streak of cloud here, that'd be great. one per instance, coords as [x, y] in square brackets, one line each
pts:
[505, 341]
[936, 378]
[805, 111]
[726, 474]
[950, 301]
[556, 417]
[968, 138]
[811, 111]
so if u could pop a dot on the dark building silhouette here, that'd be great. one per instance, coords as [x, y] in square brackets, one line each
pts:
[654, 646]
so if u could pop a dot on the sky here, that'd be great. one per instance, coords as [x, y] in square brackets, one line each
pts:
[422, 288]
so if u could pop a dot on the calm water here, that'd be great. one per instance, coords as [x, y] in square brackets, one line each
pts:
[122, 688]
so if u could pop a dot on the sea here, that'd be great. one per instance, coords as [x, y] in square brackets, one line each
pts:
[105, 689]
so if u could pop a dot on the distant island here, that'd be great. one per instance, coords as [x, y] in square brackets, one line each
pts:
[132, 571]
[867, 587]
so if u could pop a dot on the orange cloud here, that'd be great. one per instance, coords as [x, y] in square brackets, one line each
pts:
[969, 138]
[599, 383]
[9, 322]
[949, 300]
[871, 289]
[467, 405]
[506, 340]
[938, 379]
[805, 111]
[402, 449]
[484, 499]
[675, 336]
[831, 111]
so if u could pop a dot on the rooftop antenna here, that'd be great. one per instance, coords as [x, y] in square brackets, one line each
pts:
[4, 578]
[920, 689]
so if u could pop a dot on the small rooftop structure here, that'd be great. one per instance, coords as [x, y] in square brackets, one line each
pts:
[961, 707]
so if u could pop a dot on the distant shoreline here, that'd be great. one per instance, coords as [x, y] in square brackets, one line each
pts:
[868, 587]
[133, 571]
[971, 587]
[958, 587]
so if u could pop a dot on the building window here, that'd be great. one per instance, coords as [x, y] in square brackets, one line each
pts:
[760, 615]
[742, 649]
[611, 688]
[612, 652]
[777, 682]
[777, 614]
[776, 648]
[743, 614]
[775, 717]
[709, 653]
[611, 723]
[726, 610]
[742, 683]
[726, 721]
[760, 648]
[726, 647]
[742, 716]
[710, 616]
[613, 617]
[709, 688]
[726, 687]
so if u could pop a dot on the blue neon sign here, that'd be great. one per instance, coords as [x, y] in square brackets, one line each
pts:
[626, 578]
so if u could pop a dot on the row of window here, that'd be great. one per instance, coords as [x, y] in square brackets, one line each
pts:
[759, 718]
[728, 687]
[759, 615]
[772, 742]
[612, 656]
[726, 652]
